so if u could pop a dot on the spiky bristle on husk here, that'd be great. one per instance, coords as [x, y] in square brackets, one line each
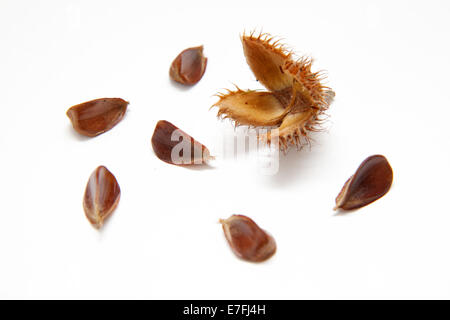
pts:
[296, 101]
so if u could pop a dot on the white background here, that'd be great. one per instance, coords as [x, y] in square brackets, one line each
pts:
[388, 62]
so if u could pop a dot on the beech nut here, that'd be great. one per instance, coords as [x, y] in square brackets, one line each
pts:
[175, 146]
[247, 240]
[371, 181]
[97, 116]
[101, 196]
[189, 66]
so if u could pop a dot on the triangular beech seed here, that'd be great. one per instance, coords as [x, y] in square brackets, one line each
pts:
[371, 181]
[101, 197]
[97, 116]
[189, 66]
[174, 146]
[247, 240]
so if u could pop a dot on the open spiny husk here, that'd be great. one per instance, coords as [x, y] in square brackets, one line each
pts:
[295, 102]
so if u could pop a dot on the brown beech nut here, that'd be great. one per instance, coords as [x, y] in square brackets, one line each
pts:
[174, 146]
[371, 181]
[97, 116]
[247, 240]
[101, 196]
[189, 66]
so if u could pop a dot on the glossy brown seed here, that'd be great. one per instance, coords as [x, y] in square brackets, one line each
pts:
[189, 66]
[97, 116]
[174, 146]
[370, 182]
[247, 240]
[101, 197]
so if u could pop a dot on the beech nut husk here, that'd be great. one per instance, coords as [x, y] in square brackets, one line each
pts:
[247, 240]
[97, 116]
[175, 146]
[101, 196]
[371, 181]
[189, 66]
[296, 99]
